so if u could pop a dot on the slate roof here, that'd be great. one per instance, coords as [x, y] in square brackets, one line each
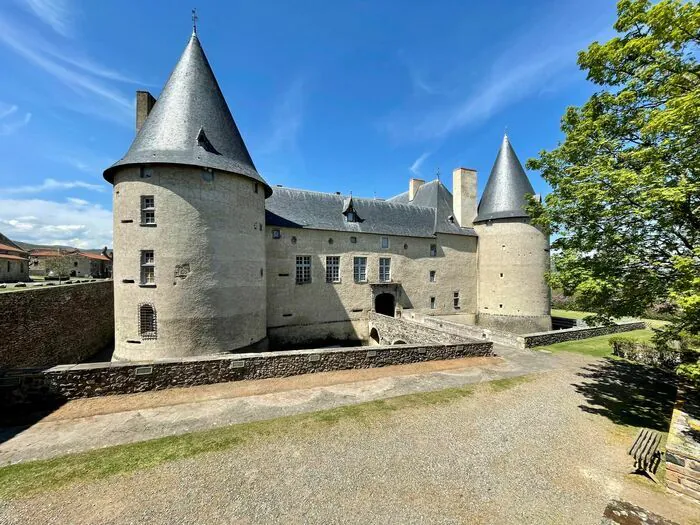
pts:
[294, 208]
[191, 124]
[504, 195]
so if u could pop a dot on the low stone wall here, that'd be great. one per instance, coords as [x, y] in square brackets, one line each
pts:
[573, 334]
[64, 382]
[55, 324]
[393, 329]
[514, 340]
[683, 448]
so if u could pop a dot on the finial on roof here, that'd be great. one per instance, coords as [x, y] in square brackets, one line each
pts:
[194, 21]
[437, 174]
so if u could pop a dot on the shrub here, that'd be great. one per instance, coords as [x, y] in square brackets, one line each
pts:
[649, 353]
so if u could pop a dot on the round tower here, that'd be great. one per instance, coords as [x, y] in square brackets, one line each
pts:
[189, 222]
[513, 254]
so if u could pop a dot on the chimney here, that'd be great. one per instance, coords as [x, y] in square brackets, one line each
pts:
[144, 105]
[413, 186]
[464, 196]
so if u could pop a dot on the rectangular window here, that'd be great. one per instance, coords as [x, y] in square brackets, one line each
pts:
[360, 269]
[385, 243]
[432, 303]
[384, 269]
[148, 209]
[148, 267]
[333, 269]
[432, 276]
[433, 250]
[455, 300]
[303, 269]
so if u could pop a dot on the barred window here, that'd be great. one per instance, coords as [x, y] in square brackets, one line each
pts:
[333, 269]
[384, 269]
[148, 267]
[360, 269]
[148, 209]
[303, 269]
[148, 327]
[455, 300]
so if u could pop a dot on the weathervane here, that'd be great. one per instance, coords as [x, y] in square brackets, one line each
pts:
[194, 21]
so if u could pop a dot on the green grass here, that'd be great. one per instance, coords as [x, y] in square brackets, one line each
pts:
[570, 314]
[25, 479]
[596, 346]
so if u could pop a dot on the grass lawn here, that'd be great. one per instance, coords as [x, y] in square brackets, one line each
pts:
[596, 346]
[24, 479]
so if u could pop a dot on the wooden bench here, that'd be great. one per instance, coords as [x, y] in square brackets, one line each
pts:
[645, 451]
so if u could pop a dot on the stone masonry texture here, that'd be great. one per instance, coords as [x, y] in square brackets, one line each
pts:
[46, 387]
[43, 327]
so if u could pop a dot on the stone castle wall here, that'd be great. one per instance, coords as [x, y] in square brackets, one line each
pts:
[389, 330]
[43, 327]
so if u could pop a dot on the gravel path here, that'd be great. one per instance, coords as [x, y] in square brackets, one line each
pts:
[524, 455]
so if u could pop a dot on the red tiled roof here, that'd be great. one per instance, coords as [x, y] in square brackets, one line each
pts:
[7, 257]
[9, 248]
[46, 253]
[95, 256]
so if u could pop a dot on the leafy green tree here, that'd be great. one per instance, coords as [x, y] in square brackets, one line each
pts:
[61, 265]
[625, 205]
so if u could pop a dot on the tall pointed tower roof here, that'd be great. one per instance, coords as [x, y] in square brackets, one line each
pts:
[191, 124]
[504, 195]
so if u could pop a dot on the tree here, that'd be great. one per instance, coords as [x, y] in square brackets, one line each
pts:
[61, 265]
[625, 201]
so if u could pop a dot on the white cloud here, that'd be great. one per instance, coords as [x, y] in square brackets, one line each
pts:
[80, 224]
[52, 185]
[418, 163]
[287, 120]
[94, 83]
[8, 123]
[55, 13]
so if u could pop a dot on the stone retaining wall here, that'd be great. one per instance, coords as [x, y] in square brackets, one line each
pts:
[515, 340]
[64, 382]
[683, 448]
[392, 329]
[574, 334]
[42, 327]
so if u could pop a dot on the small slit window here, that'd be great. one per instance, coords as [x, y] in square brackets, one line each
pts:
[455, 300]
[432, 303]
[432, 276]
[433, 250]
[148, 328]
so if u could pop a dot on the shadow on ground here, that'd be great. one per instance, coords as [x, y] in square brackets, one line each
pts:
[629, 393]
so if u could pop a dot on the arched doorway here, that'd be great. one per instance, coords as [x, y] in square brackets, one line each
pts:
[374, 337]
[384, 304]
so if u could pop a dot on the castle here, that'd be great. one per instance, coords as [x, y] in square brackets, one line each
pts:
[209, 258]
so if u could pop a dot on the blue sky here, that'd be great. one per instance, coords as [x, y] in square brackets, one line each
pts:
[330, 96]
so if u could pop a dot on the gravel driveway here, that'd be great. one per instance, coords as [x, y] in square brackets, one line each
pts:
[527, 454]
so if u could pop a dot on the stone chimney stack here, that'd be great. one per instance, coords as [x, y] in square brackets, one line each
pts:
[464, 196]
[144, 105]
[413, 186]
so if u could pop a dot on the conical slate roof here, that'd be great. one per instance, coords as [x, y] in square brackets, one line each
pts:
[504, 195]
[191, 124]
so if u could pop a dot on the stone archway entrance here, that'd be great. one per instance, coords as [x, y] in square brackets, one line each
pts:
[384, 304]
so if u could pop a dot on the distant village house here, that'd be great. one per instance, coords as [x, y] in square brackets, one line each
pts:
[14, 262]
[77, 263]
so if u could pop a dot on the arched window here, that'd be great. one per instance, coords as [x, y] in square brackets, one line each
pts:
[148, 326]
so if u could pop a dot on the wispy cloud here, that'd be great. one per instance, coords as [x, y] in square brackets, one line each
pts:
[92, 82]
[74, 222]
[540, 58]
[418, 163]
[56, 13]
[53, 185]
[10, 120]
[287, 120]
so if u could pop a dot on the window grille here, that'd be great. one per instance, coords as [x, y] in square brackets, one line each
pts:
[384, 269]
[303, 269]
[333, 269]
[148, 267]
[148, 209]
[360, 269]
[148, 327]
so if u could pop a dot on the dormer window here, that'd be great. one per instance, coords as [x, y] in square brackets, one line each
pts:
[349, 211]
[351, 216]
